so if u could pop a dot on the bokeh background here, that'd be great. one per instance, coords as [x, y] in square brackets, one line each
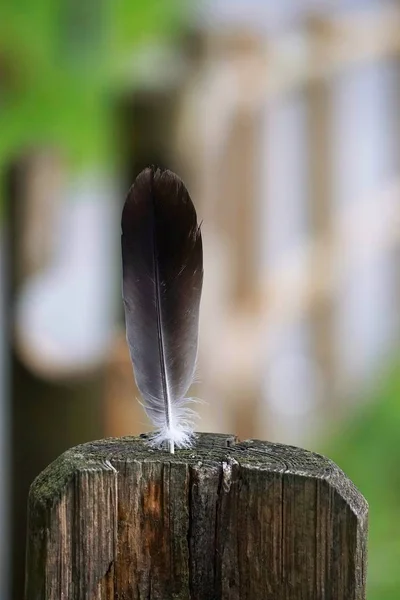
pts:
[283, 120]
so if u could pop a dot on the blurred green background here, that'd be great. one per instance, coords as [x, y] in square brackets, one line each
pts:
[283, 120]
[366, 448]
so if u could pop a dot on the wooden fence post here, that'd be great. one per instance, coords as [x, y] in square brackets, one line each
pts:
[233, 520]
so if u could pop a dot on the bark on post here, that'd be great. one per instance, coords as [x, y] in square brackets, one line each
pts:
[233, 520]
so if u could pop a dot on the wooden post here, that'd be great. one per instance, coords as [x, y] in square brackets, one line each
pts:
[233, 520]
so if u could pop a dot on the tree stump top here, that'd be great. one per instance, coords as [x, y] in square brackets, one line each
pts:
[116, 519]
[210, 450]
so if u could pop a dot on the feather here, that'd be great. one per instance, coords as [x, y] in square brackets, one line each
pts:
[162, 264]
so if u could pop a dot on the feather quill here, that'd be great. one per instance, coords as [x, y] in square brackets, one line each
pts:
[162, 264]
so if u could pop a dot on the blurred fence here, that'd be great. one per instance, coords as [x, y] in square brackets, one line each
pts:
[294, 140]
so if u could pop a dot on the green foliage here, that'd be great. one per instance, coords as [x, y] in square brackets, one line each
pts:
[58, 60]
[368, 450]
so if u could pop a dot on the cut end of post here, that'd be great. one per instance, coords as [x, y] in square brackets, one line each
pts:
[304, 518]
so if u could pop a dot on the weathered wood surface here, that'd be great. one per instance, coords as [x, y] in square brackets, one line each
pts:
[233, 520]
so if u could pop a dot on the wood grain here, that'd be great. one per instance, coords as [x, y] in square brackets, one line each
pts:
[233, 520]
